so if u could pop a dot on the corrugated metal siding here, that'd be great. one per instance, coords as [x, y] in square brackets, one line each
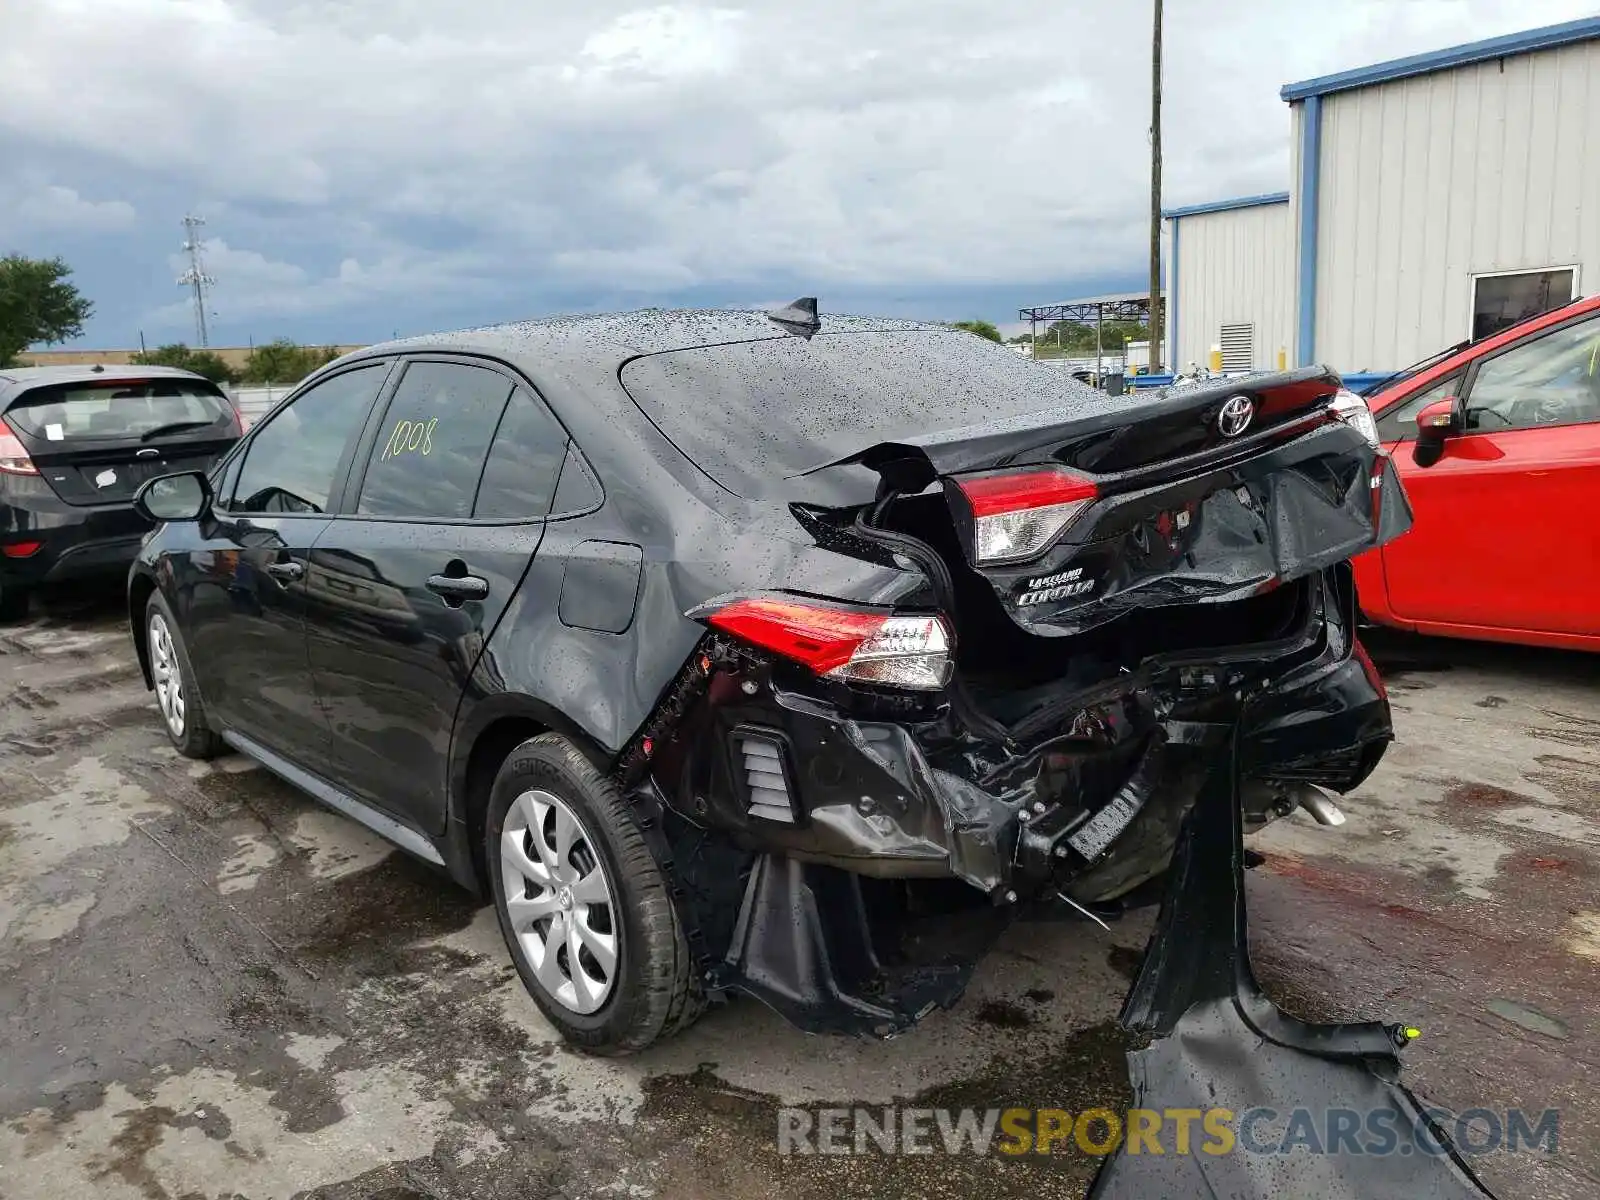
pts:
[1430, 180]
[1236, 267]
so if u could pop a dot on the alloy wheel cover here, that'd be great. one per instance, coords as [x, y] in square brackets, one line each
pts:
[168, 675]
[559, 900]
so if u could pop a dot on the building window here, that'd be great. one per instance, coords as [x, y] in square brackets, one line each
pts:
[1499, 301]
[1238, 347]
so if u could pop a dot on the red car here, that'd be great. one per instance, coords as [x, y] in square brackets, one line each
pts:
[1498, 445]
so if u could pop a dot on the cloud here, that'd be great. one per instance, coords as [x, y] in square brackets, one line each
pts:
[660, 44]
[34, 205]
[253, 288]
[505, 156]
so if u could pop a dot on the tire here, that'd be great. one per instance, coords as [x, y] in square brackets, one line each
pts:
[13, 603]
[183, 712]
[582, 883]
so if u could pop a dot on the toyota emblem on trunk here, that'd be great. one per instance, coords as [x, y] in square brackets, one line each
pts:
[1235, 416]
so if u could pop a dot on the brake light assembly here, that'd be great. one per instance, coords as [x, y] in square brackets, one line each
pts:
[853, 643]
[1019, 514]
[1353, 411]
[14, 458]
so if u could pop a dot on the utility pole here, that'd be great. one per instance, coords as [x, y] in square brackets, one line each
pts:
[1099, 344]
[195, 278]
[1155, 195]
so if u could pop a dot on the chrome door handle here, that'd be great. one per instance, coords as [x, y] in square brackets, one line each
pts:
[458, 587]
[286, 572]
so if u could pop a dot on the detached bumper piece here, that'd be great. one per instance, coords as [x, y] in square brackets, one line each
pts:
[805, 945]
[1217, 1041]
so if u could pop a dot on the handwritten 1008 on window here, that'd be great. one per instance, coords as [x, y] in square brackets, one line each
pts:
[410, 437]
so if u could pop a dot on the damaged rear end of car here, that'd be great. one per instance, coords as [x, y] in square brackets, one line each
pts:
[991, 681]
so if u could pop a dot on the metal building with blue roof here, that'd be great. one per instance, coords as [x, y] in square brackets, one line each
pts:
[1432, 198]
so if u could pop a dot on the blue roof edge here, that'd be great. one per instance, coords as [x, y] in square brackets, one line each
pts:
[1190, 210]
[1548, 37]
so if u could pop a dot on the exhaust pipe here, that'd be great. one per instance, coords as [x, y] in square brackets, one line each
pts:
[1319, 804]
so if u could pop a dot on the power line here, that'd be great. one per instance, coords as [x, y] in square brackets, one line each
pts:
[195, 278]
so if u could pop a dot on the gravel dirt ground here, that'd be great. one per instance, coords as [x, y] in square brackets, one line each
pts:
[211, 987]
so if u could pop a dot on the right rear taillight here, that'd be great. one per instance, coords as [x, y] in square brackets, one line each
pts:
[839, 641]
[14, 458]
[1018, 515]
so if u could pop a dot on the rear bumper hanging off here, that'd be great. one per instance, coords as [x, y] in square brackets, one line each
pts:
[1217, 1041]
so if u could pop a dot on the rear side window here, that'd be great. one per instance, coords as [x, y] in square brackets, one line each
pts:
[122, 411]
[519, 479]
[431, 446]
[291, 462]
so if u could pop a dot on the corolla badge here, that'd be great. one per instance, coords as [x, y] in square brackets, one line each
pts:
[1235, 416]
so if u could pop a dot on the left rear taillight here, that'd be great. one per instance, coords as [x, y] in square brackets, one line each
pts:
[1018, 515]
[1353, 411]
[14, 458]
[838, 641]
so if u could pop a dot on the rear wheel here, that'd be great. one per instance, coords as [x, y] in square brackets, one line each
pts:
[183, 712]
[584, 908]
[13, 603]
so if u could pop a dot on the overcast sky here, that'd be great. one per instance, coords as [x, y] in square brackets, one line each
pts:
[373, 166]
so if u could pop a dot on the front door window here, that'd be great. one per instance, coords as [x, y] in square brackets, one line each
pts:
[1549, 380]
[292, 462]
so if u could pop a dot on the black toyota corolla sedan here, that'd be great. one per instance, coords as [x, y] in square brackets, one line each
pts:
[763, 653]
[75, 444]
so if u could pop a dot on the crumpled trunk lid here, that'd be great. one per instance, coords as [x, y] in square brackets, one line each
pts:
[1169, 426]
[1225, 534]
[1184, 505]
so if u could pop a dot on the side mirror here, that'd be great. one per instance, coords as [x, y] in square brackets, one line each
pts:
[185, 497]
[1435, 423]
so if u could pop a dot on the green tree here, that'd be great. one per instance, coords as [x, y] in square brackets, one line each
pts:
[37, 304]
[201, 362]
[284, 361]
[984, 329]
[1077, 338]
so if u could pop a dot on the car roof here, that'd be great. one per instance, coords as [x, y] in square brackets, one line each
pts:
[1387, 397]
[20, 379]
[611, 339]
[576, 362]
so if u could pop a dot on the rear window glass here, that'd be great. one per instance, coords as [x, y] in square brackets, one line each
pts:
[754, 413]
[119, 411]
